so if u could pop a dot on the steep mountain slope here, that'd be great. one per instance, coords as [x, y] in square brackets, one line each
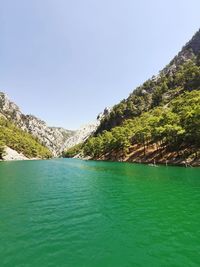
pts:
[160, 120]
[154, 91]
[51, 137]
[16, 144]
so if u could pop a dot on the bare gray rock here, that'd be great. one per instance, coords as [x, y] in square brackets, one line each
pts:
[84, 132]
[11, 154]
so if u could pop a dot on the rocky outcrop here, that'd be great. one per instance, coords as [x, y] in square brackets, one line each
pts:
[189, 51]
[51, 137]
[84, 132]
[81, 134]
[11, 154]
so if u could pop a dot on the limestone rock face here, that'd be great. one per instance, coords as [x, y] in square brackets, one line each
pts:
[51, 137]
[11, 154]
[81, 134]
[84, 132]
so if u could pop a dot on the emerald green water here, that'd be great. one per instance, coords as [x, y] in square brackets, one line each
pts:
[98, 214]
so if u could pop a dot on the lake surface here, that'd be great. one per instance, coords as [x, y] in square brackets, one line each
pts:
[76, 213]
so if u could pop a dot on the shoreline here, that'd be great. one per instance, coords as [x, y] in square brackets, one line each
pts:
[153, 155]
[12, 160]
[12, 155]
[149, 163]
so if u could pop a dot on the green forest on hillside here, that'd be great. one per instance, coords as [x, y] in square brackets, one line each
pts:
[171, 126]
[164, 111]
[22, 142]
[71, 152]
[154, 92]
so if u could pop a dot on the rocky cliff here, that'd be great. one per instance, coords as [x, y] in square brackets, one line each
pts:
[52, 137]
[84, 132]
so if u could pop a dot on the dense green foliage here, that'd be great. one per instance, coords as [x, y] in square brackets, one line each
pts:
[171, 126]
[155, 92]
[164, 113]
[73, 151]
[22, 142]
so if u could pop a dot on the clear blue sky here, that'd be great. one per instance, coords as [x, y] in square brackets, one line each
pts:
[64, 61]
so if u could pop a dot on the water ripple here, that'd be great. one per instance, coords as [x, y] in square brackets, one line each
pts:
[75, 213]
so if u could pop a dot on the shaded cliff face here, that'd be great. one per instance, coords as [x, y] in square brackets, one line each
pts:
[52, 137]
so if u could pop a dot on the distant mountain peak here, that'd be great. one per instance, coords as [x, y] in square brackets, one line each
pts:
[6, 104]
[194, 44]
[189, 51]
